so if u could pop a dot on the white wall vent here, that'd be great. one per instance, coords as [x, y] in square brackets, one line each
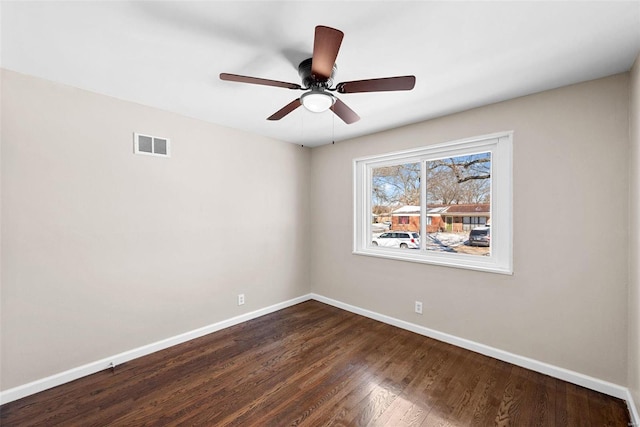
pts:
[151, 145]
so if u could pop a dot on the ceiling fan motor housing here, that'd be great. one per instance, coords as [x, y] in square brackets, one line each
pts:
[309, 81]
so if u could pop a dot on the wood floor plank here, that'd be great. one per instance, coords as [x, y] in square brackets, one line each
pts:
[443, 389]
[373, 359]
[514, 399]
[469, 401]
[562, 410]
[405, 410]
[316, 365]
[577, 406]
[542, 402]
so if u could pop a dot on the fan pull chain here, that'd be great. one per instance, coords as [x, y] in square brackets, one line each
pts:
[302, 127]
[333, 129]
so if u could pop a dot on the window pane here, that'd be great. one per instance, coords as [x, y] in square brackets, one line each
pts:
[458, 202]
[395, 203]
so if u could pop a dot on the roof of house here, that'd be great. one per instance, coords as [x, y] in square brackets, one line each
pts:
[468, 209]
[476, 208]
[405, 210]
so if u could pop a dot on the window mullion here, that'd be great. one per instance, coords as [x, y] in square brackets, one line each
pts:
[367, 202]
[423, 204]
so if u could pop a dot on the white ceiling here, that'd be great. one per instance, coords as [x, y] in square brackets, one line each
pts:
[464, 54]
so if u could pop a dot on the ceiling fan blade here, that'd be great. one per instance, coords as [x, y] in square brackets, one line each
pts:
[257, 81]
[377, 85]
[326, 45]
[345, 113]
[285, 110]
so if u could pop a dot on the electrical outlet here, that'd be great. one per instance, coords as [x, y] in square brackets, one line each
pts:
[240, 299]
[418, 308]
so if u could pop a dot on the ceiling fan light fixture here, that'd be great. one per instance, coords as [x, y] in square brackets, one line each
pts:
[317, 101]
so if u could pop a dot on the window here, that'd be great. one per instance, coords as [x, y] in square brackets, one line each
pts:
[441, 193]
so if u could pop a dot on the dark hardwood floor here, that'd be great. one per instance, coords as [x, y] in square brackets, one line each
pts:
[313, 364]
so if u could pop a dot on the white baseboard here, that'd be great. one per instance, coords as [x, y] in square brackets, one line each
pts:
[633, 410]
[525, 362]
[37, 386]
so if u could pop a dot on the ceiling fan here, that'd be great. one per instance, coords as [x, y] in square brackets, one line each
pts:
[317, 75]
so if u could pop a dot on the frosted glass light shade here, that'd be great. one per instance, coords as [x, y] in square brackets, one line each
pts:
[317, 102]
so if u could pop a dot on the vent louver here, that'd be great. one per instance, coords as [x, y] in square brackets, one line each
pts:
[151, 145]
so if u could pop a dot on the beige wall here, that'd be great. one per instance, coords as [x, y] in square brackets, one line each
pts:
[105, 251]
[634, 233]
[566, 303]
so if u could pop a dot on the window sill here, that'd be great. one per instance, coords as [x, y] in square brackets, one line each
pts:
[468, 262]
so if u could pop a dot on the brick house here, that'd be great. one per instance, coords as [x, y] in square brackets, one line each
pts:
[406, 218]
[455, 218]
[458, 218]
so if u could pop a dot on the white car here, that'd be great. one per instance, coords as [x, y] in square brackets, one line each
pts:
[398, 239]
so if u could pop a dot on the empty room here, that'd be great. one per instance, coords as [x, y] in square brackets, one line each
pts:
[348, 213]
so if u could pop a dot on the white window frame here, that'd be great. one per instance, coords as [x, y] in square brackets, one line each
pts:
[500, 260]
